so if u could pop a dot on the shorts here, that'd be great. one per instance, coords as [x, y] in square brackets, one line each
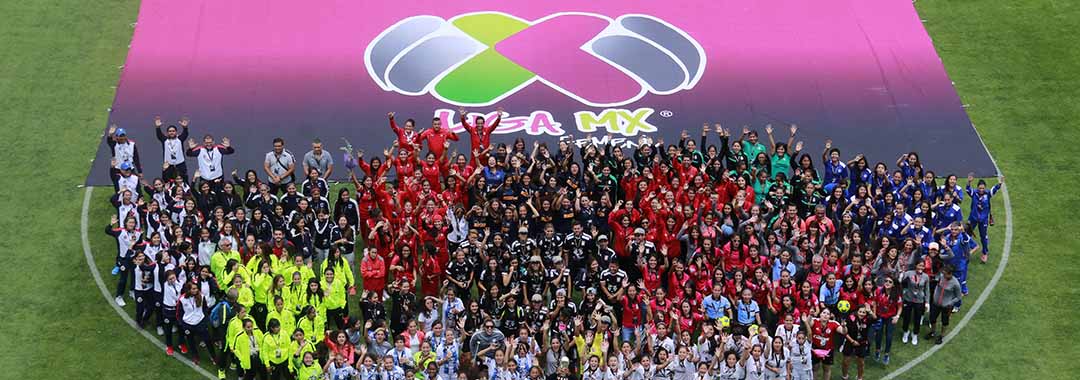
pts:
[856, 351]
[827, 360]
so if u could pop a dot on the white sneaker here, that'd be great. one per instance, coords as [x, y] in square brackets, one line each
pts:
[174, 329]
[915, 340]
[907, 335]
[160, 331]
[120, 301]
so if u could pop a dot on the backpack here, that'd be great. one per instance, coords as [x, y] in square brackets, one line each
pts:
[220, 313]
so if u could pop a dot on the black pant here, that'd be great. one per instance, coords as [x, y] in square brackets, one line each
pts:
[912, 310]
[337, 316]
[277, 188]
[943, 311]
[127, 270]
[256, 369]
[194, 334]
[172, 171]
[258, 311]
[217, 184]
[278, 371]
[224, 355]
[114, 175]
[168, 320]
[144, 306]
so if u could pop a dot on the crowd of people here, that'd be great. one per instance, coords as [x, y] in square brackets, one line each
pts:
[713, 258]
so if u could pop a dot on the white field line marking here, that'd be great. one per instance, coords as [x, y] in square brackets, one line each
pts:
[109, 298]
[985, 292]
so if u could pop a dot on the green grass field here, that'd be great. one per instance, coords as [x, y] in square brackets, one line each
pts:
[1014, 63]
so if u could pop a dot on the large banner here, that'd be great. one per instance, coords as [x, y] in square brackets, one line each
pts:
[861, 73]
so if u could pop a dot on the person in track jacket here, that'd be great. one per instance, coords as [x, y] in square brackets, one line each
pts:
[209, 156]
[172, 148]
[979, 217]
[126, 240]
[124, 153]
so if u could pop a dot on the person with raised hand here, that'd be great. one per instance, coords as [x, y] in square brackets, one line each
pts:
[980, 217]
[124, 154]
[172, 148]
[209, 158]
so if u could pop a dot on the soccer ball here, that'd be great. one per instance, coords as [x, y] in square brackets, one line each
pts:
[725, 321]
[844, 306]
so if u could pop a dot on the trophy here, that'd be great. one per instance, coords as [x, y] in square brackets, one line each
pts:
[349, 158]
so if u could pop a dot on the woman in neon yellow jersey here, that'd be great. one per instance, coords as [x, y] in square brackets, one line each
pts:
[235, 326]
[274, 351]
[307, 368]
[313, 323]
[245, 346]
[283, 313]
[340, 265]
[297, 265]
[262, 254]
[245, 296]
[295, 293]
[260, 286]
[334, 290]
[299, 346]
[276, 289]
[314, 296]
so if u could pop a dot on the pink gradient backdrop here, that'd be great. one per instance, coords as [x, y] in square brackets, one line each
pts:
[859, 72]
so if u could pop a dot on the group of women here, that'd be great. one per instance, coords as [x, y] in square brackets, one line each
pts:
[579, 261]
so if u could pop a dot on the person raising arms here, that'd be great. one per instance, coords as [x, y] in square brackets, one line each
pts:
[480, 132]
[172, 148]
[209, 157]
[436, 137]
[407, 137]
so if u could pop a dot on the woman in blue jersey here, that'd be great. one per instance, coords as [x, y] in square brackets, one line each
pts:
[979, 217]
[910, 165]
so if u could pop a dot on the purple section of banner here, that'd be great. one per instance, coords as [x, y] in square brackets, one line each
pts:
[863, 74]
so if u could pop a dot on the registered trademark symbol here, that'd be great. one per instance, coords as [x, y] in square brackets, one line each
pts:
[666, 113]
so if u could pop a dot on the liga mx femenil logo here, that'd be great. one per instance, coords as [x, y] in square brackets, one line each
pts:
[478, 59]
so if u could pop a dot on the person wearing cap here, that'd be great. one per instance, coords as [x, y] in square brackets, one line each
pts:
[604, 253]
[124, 152]
[638, 248]
[524, 245]
[562, 372]
[536, 313]
[558, 276]
[128, 180]
[172, 148]
[536, 279]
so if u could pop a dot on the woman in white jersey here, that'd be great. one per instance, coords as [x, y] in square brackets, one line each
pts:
[777, 360]
[802, 365]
